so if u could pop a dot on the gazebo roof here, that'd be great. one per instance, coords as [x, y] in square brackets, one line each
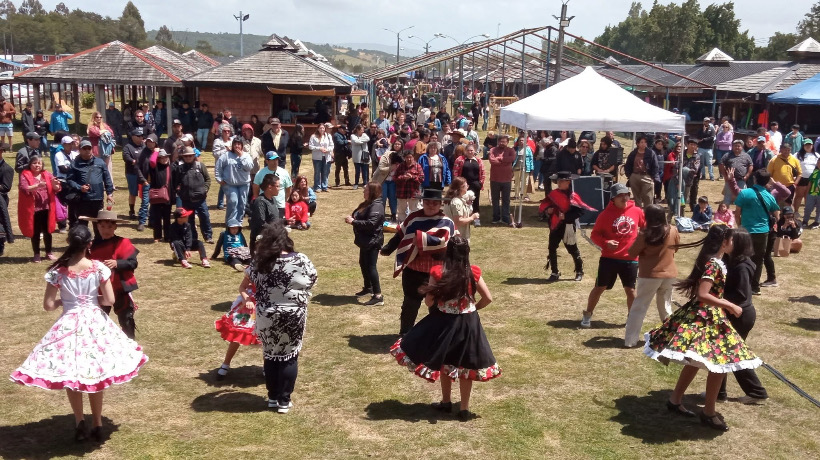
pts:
[111, 63]
[808, 46]
[714, 56]
[200, 57]
[176, 59]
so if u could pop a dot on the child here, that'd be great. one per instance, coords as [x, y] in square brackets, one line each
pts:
[120, 256]
[182, 239]
[655, 249]
[698, 335]
[296, 212]
[237, 328]
[84, 352]
[725, 215]
[449, 343]
[702, 214]
[232, 241]
[789, 227]
[161, 196]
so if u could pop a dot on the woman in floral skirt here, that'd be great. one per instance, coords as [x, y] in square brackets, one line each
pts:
[699, 335]
[449, 343]
[84, 352]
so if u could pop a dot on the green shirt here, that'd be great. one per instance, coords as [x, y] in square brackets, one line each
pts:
[284, 182]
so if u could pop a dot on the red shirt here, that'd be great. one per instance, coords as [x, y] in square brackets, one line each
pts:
[621, 225]
[299, 210]
[501, 161]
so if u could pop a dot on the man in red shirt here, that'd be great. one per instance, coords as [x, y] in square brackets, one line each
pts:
[501, 161]
[615, 230]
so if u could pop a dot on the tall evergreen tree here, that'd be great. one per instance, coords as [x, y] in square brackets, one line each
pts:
[132, 27]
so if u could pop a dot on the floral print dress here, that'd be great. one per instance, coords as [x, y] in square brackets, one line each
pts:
[700, 335]
[84, 350]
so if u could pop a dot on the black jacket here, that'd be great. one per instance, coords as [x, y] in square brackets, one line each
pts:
[567, 161]
[28, 122]
[93, 172]
[707, 137]
[368, 225]
[192, 181]
[143, 165]
[267, 145]
[204, 120]
[263, 211]
[182, 232]
[23, 156]
[188, 119]
[41, 127]
[131, 152]
[650, 160]
[6, 177]
[158, 177]
[738, 289]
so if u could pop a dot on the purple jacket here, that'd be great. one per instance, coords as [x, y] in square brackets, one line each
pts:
[723, 140]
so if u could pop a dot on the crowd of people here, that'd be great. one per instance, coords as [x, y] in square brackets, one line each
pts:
[425, 167]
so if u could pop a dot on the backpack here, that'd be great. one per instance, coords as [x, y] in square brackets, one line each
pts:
[106, 146]
[195, 183]
[684, 225]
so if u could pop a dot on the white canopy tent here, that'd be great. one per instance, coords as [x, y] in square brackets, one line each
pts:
[590, 102]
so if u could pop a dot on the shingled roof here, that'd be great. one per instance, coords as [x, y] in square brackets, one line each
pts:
[110, 63]
[773, 80]
[200, 57]
[276, 66]
[176, 59]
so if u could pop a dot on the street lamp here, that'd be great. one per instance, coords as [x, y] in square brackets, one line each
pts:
[241, 18]
[427, 43]
[461, 61]
[398, 39]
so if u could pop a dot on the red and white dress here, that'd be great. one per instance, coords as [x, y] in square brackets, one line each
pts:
[448, 341]
[84, 350]
[239, 324]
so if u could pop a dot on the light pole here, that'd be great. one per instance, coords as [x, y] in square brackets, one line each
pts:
[461, 62]
[563, 22]
[398, 39]
[427, 43]
[241, 18]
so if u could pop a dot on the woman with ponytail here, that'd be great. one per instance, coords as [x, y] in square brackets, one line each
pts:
[699, 335]
[84, 352]
[449, 343]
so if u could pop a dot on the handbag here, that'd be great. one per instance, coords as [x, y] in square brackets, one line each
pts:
[782, 246]
[161, 195]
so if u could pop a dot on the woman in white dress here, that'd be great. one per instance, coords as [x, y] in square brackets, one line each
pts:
[84, 352]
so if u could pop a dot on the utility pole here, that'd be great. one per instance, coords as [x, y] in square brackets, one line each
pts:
[241, 18]
[563, 22]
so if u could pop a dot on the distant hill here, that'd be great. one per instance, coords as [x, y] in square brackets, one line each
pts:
[348, 58]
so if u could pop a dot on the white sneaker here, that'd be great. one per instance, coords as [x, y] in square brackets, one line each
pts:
[283, 409]
[586, 319]
[273, 404]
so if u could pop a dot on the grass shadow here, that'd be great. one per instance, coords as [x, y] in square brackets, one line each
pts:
[391, 409]
[372, 344]
[333, 300]
[809, 299]
[646, 418]
[604, 342]
[48, 438]
[576, 324]
[238, 377]
[147, 241]
[222, 306]
[809, 324]
[229, 401]
[523, 281]
[166, 262]
[16, 260]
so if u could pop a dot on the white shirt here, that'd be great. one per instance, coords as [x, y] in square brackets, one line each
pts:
[777, 138]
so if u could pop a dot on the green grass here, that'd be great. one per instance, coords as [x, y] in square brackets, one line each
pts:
[565, 392]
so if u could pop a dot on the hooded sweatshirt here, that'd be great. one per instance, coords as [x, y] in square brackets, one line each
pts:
[621, 225]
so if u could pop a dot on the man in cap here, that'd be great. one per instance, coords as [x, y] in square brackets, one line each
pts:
[204, 123]
[131, 155]
[563, 207]
[285, 184]
[142, 167]
[113, 117]
[59, 120]
[471, 134]
[276, 140]
[502, 158]
[740, 164]
[341, 152]
[761, 155]
[6, 181]
[705, 145]
[89, 176]
[7, 112]
[192, 182]
[28, 120]
[173, 144]
[30, 148]
[568, 159]
[616, 228]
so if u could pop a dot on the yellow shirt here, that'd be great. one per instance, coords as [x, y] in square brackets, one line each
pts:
[784, 171]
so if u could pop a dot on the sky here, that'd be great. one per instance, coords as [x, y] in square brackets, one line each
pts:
[346, 21]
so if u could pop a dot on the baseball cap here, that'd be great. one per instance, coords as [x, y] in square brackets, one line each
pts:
[247, 126]
[137, 131]
[177, 122]
[761, 139]
[807, 141]
[66, 140]
[85, 143]
[618, 189]
[707, 119]
[152, 138]
[572, 144]
[111, 104]
[32, 135]
[275, 121]
[271, 155]
[182, 212]
[788, 210]
[163, 153]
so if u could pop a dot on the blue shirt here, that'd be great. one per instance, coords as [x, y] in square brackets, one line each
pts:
[753, 216]
[59, 122]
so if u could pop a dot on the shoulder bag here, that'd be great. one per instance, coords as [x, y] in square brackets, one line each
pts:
[161, 195]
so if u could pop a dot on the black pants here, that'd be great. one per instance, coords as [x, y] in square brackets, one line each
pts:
[124, 308]
[233, 261]
[87, 209]
[476, 188]
[411, 282]
[341, 165]
[746, 378]
[280, 378]
[159, 216]
[555, 238]
[5, 220]
[658, 189]
[179, 249]
[762, 244]
[693, 192]
[312, 208]
[41, 227]
[368, 258]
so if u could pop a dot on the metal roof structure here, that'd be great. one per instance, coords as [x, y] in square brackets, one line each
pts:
[773, 80]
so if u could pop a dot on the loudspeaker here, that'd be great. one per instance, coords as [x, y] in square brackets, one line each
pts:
[591, 189]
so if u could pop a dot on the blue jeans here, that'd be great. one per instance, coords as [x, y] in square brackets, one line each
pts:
[201, 209]
[202, 137]
[236, 196]
[719, 155]
[537, 177]
[133, 184]
[706, 163]
[727, 194]
[500, 191]
[143, 212]
[389, 195]
[295, 162]
[220, 198]
[364, 169]
[321, 169]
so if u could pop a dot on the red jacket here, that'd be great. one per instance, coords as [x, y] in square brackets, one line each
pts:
[621, 225]
[299, 210]
[123, 251]
[25, 205]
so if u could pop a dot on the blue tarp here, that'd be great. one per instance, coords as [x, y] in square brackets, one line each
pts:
[806, 92]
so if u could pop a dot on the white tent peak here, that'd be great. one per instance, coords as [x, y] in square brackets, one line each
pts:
[807, 46]
[589, 102]
[715, 55]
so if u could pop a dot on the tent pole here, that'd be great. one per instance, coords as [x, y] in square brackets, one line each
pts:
[680, 175]
[523, 58]
[503, 69]
[549, 46]
[520, 188]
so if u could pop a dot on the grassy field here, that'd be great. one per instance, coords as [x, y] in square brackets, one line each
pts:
[565, 392]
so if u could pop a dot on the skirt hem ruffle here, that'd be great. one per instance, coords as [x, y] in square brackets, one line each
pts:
[690, 358]
[230, 333]
[453, 372]
[75, 385]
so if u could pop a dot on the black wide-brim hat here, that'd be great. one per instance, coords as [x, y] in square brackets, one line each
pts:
[563, 175]
[431, 194]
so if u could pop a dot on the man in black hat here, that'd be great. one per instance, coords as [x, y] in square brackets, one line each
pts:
[563, 206]
[6, 180]
[30, 148]
[568, 159]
